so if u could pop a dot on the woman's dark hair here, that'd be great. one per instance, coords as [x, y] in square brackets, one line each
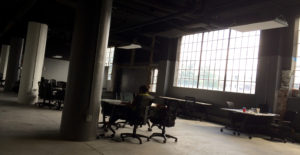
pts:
[143, 89]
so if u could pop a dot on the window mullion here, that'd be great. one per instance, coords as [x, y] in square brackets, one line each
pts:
[226, 64]
[200, 60]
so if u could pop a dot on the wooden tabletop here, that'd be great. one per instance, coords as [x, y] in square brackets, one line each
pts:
[183, 100]
[250, 112]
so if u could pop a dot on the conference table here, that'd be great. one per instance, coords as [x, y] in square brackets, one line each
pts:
[249, 120]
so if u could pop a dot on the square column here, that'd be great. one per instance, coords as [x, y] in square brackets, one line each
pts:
[14, 62]
[3, 60]
[32, 63]
[84, 88]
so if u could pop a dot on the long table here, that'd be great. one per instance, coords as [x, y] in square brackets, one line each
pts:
[240, 111]
[183, 100]
[249, 121]
[196, 110]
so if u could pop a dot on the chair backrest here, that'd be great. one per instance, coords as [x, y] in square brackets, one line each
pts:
[61, 84]
[230, 104]
[53, 82]
[264, 108]
[142, 105]
[126, 96]
[290, 115]
[170, 116]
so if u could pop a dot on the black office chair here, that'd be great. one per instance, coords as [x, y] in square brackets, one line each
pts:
[127, 97]
[264, 108]
[138, 117]
[61, 84]
[283, 128]
[234, 119]
[59, 97]
[53, 83]
[46, 93]
[164, 117]
[187, 109]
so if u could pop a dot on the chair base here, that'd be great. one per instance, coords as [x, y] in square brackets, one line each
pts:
[137, 136]
[134, 135]
[165, 136]
[235, 131]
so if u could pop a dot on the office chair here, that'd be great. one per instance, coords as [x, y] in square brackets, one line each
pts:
[128, 97]
[59, 98]
[283, 128]
[233, 120]
[46, 93]
[264, 108]
[188, 108]
[138, 117]
[164, 117]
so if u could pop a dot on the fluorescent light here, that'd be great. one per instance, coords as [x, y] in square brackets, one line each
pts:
[131, 46]
[271, 24]
[57, 56]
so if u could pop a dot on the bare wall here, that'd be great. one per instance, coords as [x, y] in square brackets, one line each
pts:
[55, 69]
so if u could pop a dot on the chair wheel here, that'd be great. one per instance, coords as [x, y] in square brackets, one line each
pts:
[221, 130]
[175, 140]
[238, 134]
[165, 141]
[112, 136]
[234, 133]
[250, 137]
[284, 141]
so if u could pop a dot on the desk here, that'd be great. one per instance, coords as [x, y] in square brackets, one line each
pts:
[250, 113]
[187, 110]
[249, 121]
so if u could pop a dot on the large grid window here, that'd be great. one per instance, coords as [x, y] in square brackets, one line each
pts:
[189, 59]
[109, 61]
[242, 62]
[297, 69]
[213, 60]
[153, 82]
[223, 60]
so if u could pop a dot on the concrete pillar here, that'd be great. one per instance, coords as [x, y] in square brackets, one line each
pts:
[14, 63]
[33, 62]
[86, 71]
[3, 60]
[163, 78]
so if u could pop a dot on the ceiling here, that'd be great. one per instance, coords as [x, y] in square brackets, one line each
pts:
[139, 20]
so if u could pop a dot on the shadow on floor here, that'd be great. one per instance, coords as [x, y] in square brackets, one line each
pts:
[41, 135]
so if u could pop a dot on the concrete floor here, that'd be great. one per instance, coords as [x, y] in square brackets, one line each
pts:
[31, 130]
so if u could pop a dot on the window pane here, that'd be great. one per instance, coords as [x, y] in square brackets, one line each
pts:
[243, 55]
[203, 61]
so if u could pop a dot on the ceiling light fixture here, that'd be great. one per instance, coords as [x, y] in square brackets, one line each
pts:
[271, 24]
[130, 46]
[57, 56]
